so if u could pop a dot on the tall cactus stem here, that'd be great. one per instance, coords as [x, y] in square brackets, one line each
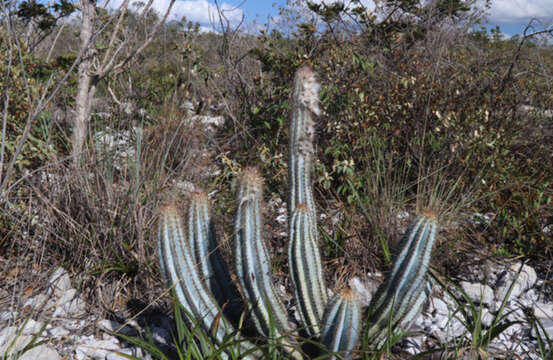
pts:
[342, 325]
[306, 270]
[400, 297]
[253, 264]
[211, 265]
[179, 263]
[304, 253]
[305, 99]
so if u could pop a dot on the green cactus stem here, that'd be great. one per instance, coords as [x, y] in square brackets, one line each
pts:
[304, 253]
[305, 100]
[306, 270]
[211, 266]
[342, 325]
[179, 264]
[253, 264]
[401, 296]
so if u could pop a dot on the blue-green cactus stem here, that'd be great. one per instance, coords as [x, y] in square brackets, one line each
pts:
[306, 270]
[400, 297]
[182, 272]
[342, 325]
[253, 262]
[305, 101]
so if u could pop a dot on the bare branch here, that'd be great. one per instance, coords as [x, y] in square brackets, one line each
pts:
[109, 50]
[137, 51]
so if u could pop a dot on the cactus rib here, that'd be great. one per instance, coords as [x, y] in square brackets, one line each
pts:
[179, 263]
[399, 298]
[304, 253]
[212, 267]
[305, 104]
[306, 270]
[342, 325]
[254, 265]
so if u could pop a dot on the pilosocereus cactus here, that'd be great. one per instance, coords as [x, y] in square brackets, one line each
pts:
[201, 281]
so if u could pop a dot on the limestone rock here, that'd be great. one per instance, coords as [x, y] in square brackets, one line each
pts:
[479, 293]
[41, 352]
[58, 283]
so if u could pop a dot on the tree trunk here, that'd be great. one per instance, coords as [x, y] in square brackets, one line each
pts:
[83, 100]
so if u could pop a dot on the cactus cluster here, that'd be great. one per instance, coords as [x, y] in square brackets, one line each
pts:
[202, 283]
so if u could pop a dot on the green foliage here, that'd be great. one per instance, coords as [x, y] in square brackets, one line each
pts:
[45, 16]
[23, 76]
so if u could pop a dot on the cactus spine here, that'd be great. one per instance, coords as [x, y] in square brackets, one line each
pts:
[342, 325]
[304, 254]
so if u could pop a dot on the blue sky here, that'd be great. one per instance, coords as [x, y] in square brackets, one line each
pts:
[510, 15]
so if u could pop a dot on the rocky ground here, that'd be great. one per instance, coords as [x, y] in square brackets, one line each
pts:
[60, 318]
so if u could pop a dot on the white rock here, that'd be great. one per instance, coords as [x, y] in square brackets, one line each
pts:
[32, 327]
[136, 352]
[532, 295]
[9, 338]
[479, 293]
[67, 296]
[414, 344]
[98, 349]
[70, 305]
[525, 280]
[515, 313]
[363, 289]
[75, 325]
[486, 317]
[58, 332]
[210, 123]
[282, 219]
[515, 330]
[437, 306]
[160, 335]
[543, 311]
[38, 302]
[58, 283]
[402, 215]
[108, 325]
[41, 352]
[440, 321]
[547, 326]
[8, 315]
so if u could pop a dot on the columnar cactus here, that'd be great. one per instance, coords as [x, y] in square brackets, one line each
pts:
[192, 265]
[304, 254]
[342, 325]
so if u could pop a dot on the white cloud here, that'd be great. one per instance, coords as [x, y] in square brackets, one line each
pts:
[201, 11]
[517, 11]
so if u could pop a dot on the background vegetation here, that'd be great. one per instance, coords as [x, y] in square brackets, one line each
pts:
[421, 110]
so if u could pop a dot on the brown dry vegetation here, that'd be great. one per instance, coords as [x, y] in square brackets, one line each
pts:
[412, 120]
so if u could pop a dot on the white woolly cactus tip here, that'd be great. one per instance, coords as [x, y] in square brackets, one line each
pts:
[306, 88]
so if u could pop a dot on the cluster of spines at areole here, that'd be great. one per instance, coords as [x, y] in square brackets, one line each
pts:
[194, 268]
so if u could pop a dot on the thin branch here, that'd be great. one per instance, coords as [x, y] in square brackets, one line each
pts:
[109, 50]
[146, 8]
[39, 108]
[6, 98]
[55, 42]
[518, 51]
[137, 51]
